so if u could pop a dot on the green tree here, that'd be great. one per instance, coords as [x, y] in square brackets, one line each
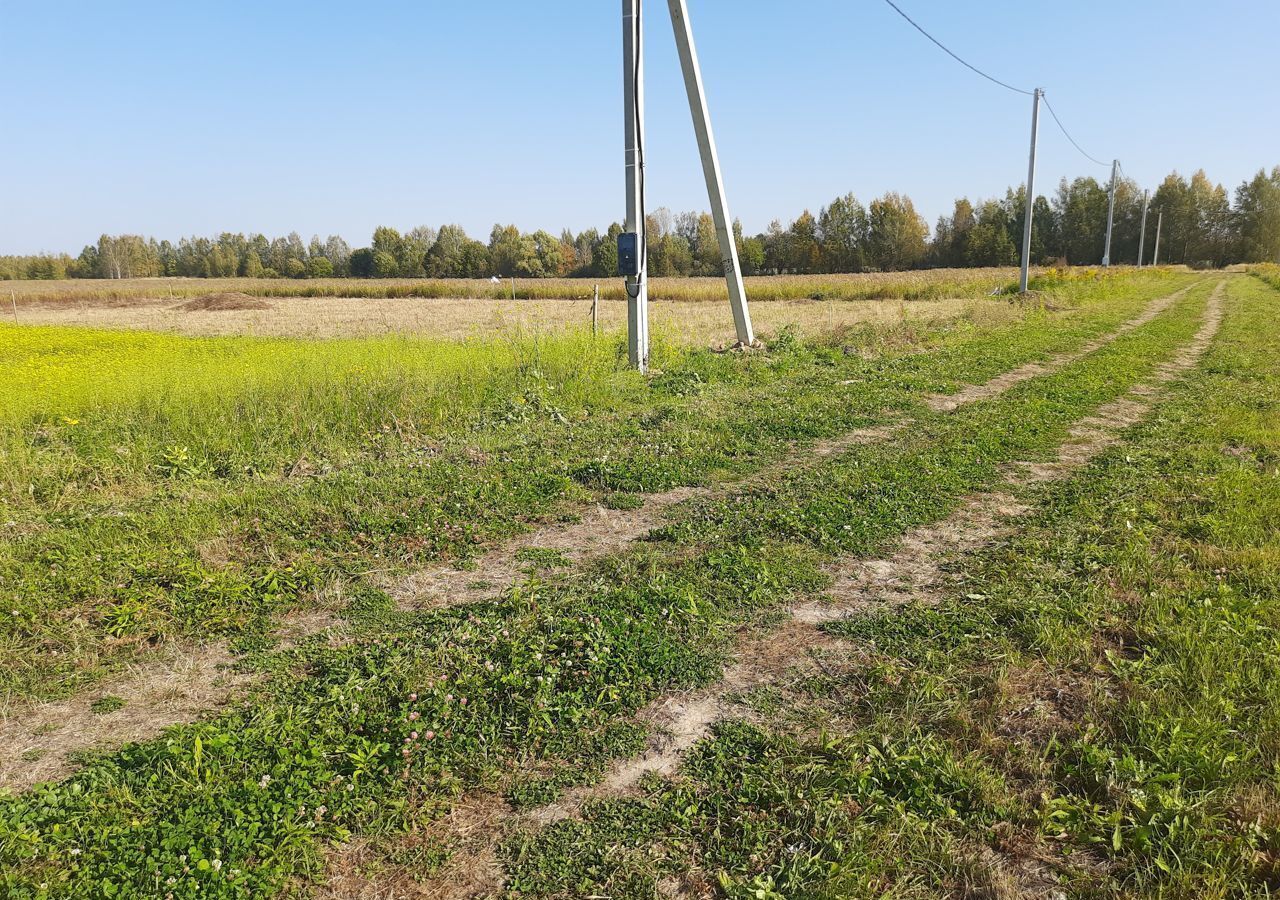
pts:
[1080, 207]
[604, 258]
[842, 233]
[319, 267]
[388, 240]
[507, 250]
[385, 265]
[252, 265]
[804, 252]
[445, 258]
[896, 233]
[361, 263]
[988, 241]
[1257, 218]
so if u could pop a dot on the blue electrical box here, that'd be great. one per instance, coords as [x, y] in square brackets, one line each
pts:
[628, 254]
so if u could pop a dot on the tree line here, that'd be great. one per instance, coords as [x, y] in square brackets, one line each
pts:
[1202, 226]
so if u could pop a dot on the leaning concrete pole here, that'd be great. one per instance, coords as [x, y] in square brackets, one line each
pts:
[633, 113]
[1024, 276]
[1142, 235]
[1111, 212]
[711, 169]
[1159, 224]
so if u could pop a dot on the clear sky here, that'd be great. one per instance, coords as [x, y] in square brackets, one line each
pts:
[173, 119]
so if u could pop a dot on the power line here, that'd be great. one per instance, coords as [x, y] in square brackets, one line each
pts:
[1069, 137]
[948, 51]
[1016, 90]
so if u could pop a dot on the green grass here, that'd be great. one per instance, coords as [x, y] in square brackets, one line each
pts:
[1098, 701]
[161, 488]
[374, 736]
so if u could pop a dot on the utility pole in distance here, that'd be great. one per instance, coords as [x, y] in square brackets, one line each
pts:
[1142, 235]
[1031, 193]
[634, 265]
[1159, 224]
[1111, 213]
[711, 169]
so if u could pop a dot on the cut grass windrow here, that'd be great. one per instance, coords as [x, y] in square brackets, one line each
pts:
[379, 734]
[37, 744]
[1090, 710]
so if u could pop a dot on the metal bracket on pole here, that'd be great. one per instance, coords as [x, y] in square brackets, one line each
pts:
[711, 169]
[633, 103]
[1142, 234]
[1031, 194]
[1111, 213]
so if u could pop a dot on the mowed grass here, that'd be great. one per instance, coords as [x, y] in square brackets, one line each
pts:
[375, 736]
[1094, 712]
[159, 488]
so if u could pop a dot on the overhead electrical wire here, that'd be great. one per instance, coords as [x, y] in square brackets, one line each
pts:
[1017, 90]
[948, 51]
[1063, 128]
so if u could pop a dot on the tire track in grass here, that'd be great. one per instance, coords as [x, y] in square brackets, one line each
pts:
[1002, 383]
[602, 531]
[38, 742]
[914, 573]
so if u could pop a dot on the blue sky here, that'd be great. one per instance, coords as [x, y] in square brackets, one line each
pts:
[171, 119]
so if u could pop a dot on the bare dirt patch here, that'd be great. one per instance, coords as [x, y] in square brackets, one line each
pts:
[599, 531]
[356, 871]
[228, 301]
[37, 742]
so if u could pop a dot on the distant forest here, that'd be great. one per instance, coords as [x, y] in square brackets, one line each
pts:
[1203, 226]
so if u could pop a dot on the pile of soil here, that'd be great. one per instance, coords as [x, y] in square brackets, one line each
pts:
[225, 301]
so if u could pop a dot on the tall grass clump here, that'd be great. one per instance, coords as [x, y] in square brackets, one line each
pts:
[1268, 272]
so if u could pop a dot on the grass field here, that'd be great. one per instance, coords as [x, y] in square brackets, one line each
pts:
[686, 323]
[764, 288]
[1036, 716]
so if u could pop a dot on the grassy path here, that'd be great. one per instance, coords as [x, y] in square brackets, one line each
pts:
[378, 733]
[204, 494]
[794, 651]
[37, 743]
[1084, 707]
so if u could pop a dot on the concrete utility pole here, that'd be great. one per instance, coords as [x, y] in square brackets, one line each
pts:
[633, 103]
[1159, 224]
[1142, 235]
[711, 168]
[1031, 193]
[1111, 213]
